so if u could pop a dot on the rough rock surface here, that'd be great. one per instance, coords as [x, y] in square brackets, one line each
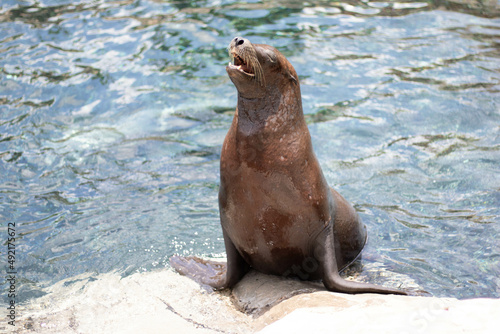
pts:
[165, 302]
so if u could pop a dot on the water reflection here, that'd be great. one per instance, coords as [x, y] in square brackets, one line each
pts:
[112, 115]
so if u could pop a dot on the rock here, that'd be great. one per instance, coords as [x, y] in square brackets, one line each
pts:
[153, 302]
[323, 312]
[165, 302]
[256, 293]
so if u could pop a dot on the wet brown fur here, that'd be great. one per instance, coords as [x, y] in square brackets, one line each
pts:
[278, 214]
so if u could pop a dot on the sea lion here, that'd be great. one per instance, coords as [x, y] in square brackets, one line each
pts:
[277, 212]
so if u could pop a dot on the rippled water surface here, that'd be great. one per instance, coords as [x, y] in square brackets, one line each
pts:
[112, 116]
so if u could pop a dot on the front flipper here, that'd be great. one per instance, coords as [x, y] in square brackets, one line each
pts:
[203, 271]
[218, 275]
[325, 250]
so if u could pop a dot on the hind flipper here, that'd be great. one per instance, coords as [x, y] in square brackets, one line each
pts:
[325, 249]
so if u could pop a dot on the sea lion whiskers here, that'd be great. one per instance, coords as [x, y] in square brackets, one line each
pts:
[246, 59]
[250, 57]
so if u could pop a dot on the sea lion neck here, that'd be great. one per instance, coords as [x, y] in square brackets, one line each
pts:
[267, 114]
[257, 110]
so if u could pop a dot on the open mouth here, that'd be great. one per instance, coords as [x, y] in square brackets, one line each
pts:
[240, 64]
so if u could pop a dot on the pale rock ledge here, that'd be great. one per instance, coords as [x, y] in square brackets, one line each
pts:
[165, 302]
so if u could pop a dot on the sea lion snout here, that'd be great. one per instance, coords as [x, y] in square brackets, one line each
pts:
[239, 41]
[243, 55]
[245, 70]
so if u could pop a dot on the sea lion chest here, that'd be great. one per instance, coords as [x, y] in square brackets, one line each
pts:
[273, 198]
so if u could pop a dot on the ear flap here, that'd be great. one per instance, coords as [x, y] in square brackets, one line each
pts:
[293, 79]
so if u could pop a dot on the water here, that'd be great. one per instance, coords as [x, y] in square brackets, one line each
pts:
[112, 116]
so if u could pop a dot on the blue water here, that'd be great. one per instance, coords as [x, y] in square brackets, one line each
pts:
[112, 116]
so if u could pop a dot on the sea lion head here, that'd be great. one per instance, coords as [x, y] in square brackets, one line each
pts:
[256, 67]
